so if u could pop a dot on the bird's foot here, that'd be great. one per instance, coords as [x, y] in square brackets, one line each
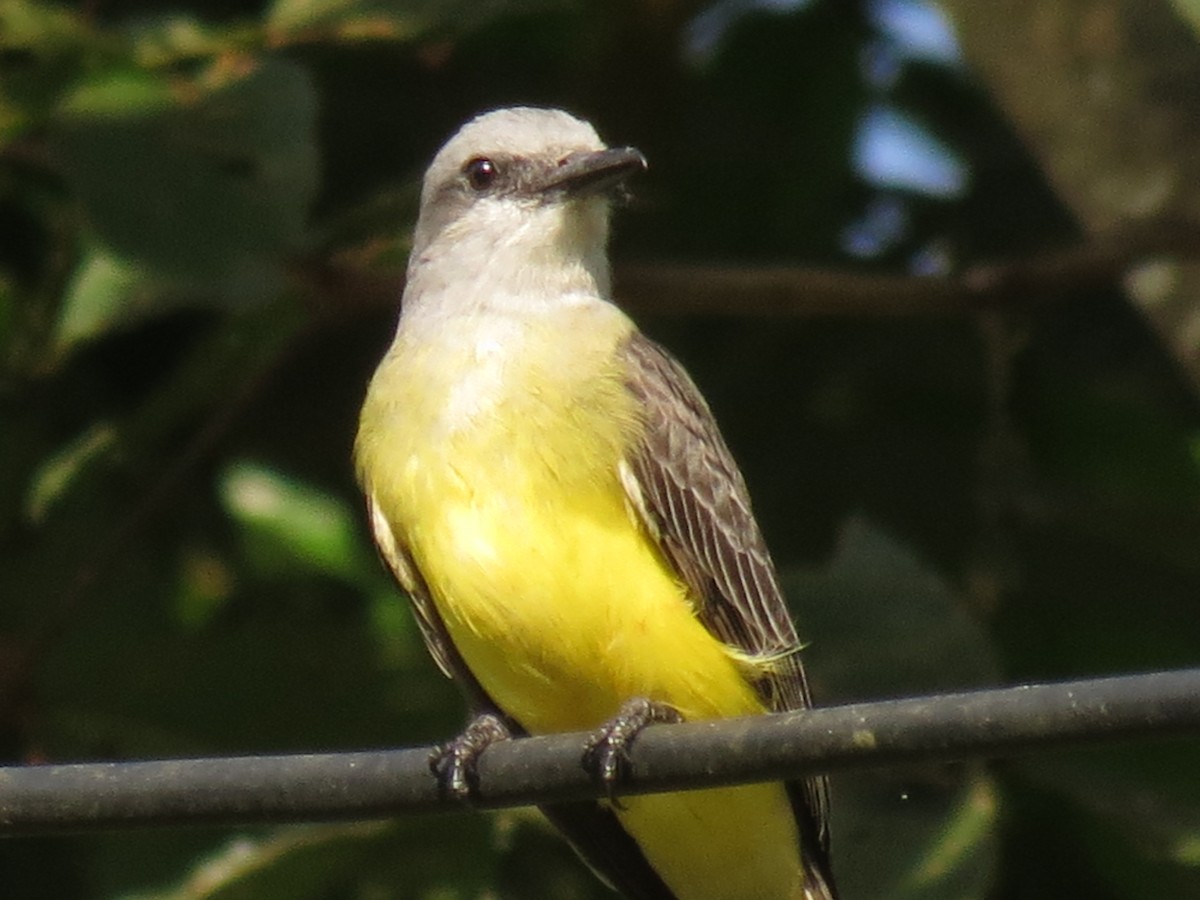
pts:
[606, 754]
[454, 763]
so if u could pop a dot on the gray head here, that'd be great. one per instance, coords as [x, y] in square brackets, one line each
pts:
[516, 189]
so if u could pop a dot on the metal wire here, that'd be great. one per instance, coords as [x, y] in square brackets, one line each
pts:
[330, 786]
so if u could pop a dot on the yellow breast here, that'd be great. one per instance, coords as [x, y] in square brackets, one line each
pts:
[502, 481]
[499, 472]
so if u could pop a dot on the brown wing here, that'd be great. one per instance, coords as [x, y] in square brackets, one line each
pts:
[436, 640]
[692, 496]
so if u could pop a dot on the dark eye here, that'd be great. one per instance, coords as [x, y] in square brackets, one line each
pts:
[481, 173]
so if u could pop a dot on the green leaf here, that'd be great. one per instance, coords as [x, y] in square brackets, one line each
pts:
[118, 93]
[56, 475]
[299, 860]
[1190, 11]
[880, 623]
[105, 291]
[207, 182]
[404, 859]
[1131, 813]
[345, 20]
[291, 523]
[175, 37]
[41, 51]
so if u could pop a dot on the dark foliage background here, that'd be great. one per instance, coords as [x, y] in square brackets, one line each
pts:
[204, 211]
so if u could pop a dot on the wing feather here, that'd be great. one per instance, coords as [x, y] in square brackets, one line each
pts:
[691, 494]
[437, 642]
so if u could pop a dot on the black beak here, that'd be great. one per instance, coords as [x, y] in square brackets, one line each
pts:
[592, 173]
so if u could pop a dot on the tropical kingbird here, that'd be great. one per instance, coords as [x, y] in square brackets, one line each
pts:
[550, 488]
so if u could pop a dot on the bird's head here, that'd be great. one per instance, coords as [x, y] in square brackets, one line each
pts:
[521, 188]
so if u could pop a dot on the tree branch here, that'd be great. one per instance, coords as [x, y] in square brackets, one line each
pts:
[796, 291]
[91, 796]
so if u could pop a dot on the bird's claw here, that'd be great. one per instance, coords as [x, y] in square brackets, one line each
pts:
[454, 763]
[606, 753]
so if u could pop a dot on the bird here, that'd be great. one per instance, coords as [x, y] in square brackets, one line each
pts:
[551, 490]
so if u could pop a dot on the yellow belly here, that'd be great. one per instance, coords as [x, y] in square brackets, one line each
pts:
[563, 609]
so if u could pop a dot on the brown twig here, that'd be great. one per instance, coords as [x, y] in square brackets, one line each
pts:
[790, 291]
